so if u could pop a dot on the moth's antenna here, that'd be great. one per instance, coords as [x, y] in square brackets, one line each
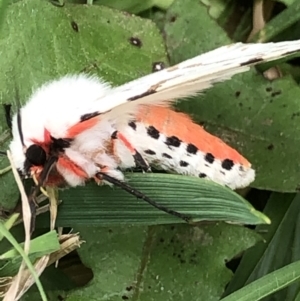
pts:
[7, 109]
[139, 195]
[19, 121]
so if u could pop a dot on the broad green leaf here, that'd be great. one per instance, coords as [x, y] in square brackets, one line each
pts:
[268, 284]
[160, 263]
[258, 117]
[199, 198]
[99, 44]
[271, 255]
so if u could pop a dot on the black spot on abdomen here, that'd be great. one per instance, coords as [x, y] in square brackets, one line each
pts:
[165, 155]
[209, 158]
[173, 141]
[150, 152]
[227, 164]
[183, 163]
[153, 132]
[191, 149]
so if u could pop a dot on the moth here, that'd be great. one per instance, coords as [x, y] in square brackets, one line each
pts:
[79, 127]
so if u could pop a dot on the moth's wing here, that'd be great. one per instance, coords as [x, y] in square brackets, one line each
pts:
[191, 76]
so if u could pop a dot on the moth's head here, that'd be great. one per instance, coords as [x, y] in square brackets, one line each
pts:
[29, 159]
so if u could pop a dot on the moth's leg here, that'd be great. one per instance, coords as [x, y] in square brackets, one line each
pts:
[138, 159]
[104, 176]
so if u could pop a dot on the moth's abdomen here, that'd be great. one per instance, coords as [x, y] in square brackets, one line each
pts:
[172, 141]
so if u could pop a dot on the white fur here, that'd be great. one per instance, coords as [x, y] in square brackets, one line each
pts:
[58, 105]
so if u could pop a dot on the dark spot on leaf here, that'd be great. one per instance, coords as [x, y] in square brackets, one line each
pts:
[209, 158]
[172, 227]
[132, 124]
[249, 108]
[284, 105]
[183, 163]
[157, 66]
[295, 115]
[270, 147]
[135, 42]
[202, 175]
[124, 297]
[162, 240]
[275, 93]
[182, 261]
[269, 89]
[173, 19]
[227, 164]
[219, 116]
[173, 141]
[167, 156]
[110, 230]
[240, 104]
[129, 288]
[153, 132]
[237, 93]
[74, 26]
[108, 21]
[150, 152]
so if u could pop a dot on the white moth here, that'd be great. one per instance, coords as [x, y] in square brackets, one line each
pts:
[79, 127]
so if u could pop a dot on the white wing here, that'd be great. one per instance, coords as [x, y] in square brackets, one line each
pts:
[191, 76]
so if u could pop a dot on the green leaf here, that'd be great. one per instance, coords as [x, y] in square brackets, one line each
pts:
[270, 255]
[135, 6]
[101, 45]
[160, 263]
[268, 284]
[40, 246]
[202, 199]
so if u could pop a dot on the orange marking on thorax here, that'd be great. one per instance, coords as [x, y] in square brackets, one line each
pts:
[172, 123]
[68, 164]
[81, 127]
[126, 143]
